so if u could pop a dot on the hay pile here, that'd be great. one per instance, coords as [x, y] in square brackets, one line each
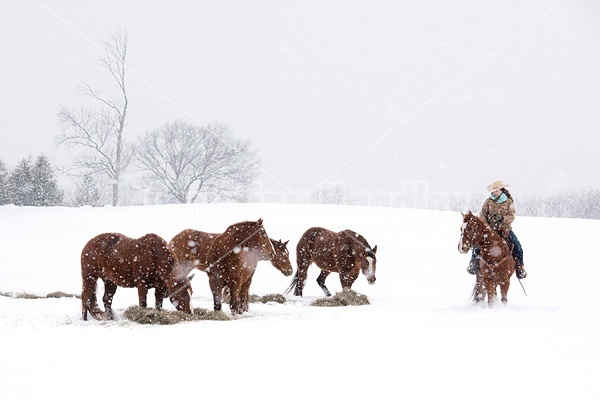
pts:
[275, 298]
[31, 296]
[254, 298]
[342, 299]
[143, 315]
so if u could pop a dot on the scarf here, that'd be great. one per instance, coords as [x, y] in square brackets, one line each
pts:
[500, 199]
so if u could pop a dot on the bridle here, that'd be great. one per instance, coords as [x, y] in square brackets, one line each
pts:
[470, 240]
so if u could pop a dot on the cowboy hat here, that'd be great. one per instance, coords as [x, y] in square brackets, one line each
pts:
[497, 185]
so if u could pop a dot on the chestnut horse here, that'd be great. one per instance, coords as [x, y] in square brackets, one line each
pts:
[144, 263]
[497, 263]
[232, 258]
[345, 252]
[191, 246]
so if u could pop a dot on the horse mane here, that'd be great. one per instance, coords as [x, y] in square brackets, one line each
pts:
[484, 225]
[112, 239]
[357, 237]
[233, 228]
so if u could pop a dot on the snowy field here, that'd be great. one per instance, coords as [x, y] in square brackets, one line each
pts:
[419, 339]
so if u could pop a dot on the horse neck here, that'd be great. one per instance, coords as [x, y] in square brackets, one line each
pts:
[241, 235]
[490, 238]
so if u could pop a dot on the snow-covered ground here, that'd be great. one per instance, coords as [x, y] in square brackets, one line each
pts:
[419, 339]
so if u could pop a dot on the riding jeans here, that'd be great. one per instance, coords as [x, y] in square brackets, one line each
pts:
[517, 250]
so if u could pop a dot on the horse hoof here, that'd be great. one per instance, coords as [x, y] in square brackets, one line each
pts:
[100, 316]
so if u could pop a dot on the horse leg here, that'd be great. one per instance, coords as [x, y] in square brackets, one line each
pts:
[109, 292]
[235, 302]
[303, 261]
[352, 277]
[89, 301]
[160, 292]
[142, 294]
[347, 279]
[504, 290]
[321, 281]
[490, 287]
[216, 287]
[245, 295]
[479, 289]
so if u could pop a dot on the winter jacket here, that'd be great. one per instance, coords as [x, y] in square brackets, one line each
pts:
[498, 215]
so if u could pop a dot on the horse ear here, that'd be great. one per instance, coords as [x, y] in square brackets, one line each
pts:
[286, 242]
[191, 277]
[259, 222]
[375, 249]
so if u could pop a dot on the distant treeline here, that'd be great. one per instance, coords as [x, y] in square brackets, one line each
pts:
[33, 183]
[584, 204]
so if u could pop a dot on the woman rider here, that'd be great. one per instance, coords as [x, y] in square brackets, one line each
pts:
[498, 211]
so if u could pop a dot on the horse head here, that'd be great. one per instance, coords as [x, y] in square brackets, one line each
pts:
[180, 293]
[368, 268]
[364, 255]
[281, 260]
[179, 286]
[468, 232]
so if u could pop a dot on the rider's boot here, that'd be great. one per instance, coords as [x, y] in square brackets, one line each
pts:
[473, 266]
[520, 269]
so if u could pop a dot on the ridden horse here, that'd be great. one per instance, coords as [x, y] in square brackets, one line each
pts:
[345, 252]
[144, 263]
[497, 262]
[232, 258]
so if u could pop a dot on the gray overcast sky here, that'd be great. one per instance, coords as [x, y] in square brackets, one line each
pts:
[375, 94]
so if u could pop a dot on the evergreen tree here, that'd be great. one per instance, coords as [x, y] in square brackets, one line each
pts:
[34, 185]
[87, 193]
[4, 193]
[45, 187]
[20, 183]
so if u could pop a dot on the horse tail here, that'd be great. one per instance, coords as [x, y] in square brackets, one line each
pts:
[292, 285]
[474, 295]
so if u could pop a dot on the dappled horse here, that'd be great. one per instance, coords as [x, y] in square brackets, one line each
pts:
[143, 263]
[232, 259]
[497, 262]
[345, 252]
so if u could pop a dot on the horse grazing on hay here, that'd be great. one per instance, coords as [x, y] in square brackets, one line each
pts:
[191, 247]
[497, 262]
[345, 252]
[232, 259]
[143, 263]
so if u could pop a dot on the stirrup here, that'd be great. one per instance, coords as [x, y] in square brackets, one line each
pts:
[521, 273]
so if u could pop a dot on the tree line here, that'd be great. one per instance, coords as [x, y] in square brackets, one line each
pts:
[583, 204]
[30, 184]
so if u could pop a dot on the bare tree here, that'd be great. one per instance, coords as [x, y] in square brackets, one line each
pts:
[187, 163]
[99, 129]
[333, 193]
